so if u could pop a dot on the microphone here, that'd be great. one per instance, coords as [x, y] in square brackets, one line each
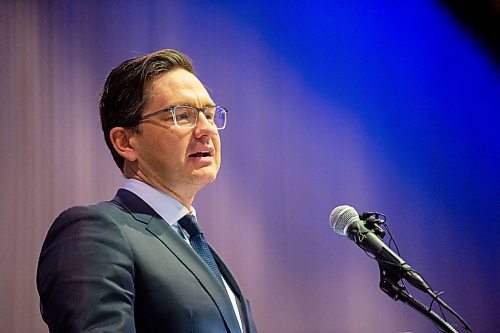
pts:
[346, 221]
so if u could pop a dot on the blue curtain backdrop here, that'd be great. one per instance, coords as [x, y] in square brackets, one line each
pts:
[385, 106]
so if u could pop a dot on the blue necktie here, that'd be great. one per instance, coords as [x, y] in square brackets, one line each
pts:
[199, 244]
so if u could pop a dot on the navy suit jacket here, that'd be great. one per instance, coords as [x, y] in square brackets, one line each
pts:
[117, 266]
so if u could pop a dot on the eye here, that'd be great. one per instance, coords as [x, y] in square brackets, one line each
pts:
[166, 117]
[209, 112]
[185, 114]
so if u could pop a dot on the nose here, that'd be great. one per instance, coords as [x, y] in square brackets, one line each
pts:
[204, 127]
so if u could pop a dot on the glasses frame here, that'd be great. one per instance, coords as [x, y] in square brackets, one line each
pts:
[172, 108]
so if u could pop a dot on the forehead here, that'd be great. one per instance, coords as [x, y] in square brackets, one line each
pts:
[177, 86]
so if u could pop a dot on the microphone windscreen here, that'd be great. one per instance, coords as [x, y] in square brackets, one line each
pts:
[342, 217]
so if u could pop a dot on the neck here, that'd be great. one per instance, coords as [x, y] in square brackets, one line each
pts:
[184, 194]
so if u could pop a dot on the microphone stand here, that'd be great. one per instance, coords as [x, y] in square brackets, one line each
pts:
[389, 285]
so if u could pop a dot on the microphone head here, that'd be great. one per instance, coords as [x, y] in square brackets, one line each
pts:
[342, 217]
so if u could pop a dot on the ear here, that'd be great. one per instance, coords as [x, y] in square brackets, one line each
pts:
[121, 139]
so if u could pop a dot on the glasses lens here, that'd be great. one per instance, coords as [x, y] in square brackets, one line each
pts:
[185, 116]
[220, 117]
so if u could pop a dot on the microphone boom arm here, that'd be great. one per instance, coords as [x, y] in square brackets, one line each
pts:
[389, 285]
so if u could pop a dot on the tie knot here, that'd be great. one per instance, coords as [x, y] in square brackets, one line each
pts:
[188, 222]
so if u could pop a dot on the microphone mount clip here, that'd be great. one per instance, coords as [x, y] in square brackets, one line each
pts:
[374, 222]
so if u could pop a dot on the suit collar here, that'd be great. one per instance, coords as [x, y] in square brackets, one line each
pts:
[158, 227]
[140, 210]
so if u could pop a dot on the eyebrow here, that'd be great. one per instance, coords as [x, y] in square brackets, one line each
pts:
[188, 104]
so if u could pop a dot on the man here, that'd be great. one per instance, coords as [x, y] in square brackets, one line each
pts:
[138, 263]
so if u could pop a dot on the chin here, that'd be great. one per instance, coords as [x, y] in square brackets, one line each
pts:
[205, 177]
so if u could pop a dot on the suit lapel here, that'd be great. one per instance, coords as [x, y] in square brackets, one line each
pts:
[186, 255]
[248, 324]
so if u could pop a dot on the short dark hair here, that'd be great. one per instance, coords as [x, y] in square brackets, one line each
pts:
[125, 91]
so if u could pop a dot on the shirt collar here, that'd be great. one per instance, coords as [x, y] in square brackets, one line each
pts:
[166, 206]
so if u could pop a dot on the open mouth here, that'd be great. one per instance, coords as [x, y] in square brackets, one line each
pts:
[201, 154]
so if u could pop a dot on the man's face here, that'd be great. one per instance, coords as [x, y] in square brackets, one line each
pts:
[168, 157]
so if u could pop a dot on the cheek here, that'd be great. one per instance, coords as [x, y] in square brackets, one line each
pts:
[217, 144]
[218, 151]
[172, 154]
[162, 152]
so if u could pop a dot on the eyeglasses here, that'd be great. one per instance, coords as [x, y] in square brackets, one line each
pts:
[186, 116]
